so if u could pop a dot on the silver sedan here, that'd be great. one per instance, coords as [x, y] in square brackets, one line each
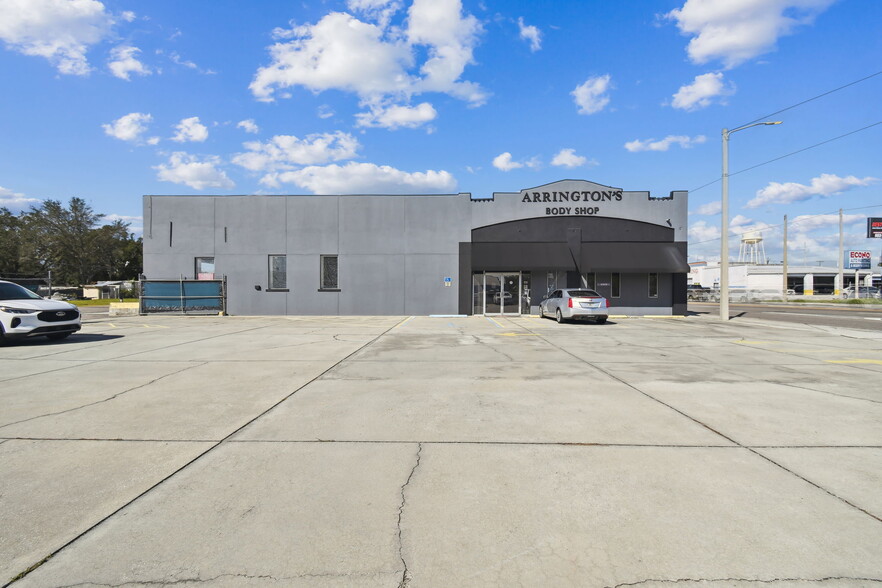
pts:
[575, 303]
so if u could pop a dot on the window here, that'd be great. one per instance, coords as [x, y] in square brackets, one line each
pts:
[653, 285]
[591, 281]
[329, 273]
[204, 268]
[278, 272]
[616, 285]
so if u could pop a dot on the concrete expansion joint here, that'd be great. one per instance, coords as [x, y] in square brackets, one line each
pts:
[727, 581]
[405, 574]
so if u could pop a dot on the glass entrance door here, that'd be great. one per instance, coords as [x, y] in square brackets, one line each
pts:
[502, 293]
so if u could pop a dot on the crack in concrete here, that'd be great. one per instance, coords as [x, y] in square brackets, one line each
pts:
[406, 576]
[198, 580]
[118, 394]
[750, 580]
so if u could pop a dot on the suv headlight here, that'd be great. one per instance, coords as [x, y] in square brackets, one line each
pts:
[13, 310]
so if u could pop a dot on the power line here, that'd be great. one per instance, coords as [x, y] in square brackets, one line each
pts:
[804, 218]
[815, 97]
[789, 154]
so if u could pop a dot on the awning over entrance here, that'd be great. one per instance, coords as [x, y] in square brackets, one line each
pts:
[595, 257]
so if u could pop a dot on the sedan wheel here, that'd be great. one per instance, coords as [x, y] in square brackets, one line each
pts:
[560, 318]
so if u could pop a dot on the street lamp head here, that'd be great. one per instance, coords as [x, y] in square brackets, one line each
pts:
[776, 122]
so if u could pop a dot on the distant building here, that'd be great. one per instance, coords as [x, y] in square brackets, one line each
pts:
[769, 278]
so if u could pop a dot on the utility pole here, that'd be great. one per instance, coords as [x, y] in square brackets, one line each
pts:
[785, 259]
[841, 257]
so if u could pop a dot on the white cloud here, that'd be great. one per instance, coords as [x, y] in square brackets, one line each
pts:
[701, 231]
[59, 30]
[740, 221]
[710, 209]
[591, 96]
[15, 200]
[530, 33]
[663, 145]
[248, 125]
[504, 162]
[123, 62]
[286, 151]
[325, 111]
[190, 129]
[735, 31]
[805, 223]
[568, 158]
[183, 168]
[129, 127]
[377, 61]
[338, 52]
[394, 117]
[128, 16]
[789, 192]
[451, 39]
[702, 91]
[380, 11]
[365, 178]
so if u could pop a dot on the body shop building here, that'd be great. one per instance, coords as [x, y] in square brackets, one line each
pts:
[425, 254]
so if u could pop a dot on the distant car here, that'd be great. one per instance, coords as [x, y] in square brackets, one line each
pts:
[24, 314]
[863, 292]
[575, 303]
[697, 293]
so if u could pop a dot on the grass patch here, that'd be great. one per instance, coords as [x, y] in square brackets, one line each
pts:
[105, 302]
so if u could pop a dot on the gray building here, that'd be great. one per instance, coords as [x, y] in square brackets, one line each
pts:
[425, 254]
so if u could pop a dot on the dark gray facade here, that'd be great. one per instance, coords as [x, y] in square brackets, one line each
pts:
[426, 254]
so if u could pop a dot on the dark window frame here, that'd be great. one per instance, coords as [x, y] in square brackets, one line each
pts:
[651, 285]
[323, 285]
[271, 287]
[615, 285]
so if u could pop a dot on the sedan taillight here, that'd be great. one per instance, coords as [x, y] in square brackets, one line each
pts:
[570, 302]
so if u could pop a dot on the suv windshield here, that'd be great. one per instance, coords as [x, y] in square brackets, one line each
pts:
[10, 291]
[583, 294]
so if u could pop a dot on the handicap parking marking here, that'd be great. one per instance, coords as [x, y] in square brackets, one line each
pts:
[494, 321]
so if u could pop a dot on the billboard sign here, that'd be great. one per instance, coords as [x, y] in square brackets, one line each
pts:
[874, 228]
[858, 259]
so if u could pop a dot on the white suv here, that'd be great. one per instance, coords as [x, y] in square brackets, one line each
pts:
[24, 314]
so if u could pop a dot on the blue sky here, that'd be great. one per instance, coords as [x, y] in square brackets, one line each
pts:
[109, 100]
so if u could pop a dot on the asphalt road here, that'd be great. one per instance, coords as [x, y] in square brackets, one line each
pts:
[849, 317]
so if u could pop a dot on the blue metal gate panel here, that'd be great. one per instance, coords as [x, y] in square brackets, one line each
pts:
[183, 296]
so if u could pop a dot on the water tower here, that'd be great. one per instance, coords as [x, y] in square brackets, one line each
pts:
[752, 250]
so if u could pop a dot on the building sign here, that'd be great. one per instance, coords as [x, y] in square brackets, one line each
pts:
[574, 200]
[858, 259]
[874, 228]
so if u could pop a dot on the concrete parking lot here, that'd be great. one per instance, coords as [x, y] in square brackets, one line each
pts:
[441, 452]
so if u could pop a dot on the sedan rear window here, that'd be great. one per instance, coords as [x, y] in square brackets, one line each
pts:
[16, 292]
[583, 294]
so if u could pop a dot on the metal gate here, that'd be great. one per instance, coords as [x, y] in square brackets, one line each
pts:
[183, 296]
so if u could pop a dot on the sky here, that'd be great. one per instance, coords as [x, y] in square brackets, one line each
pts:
[108, 100]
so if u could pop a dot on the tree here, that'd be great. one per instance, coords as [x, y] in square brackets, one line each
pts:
[10, 243]
[70, 242]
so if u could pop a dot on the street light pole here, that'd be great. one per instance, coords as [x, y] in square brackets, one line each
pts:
[724, 211]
